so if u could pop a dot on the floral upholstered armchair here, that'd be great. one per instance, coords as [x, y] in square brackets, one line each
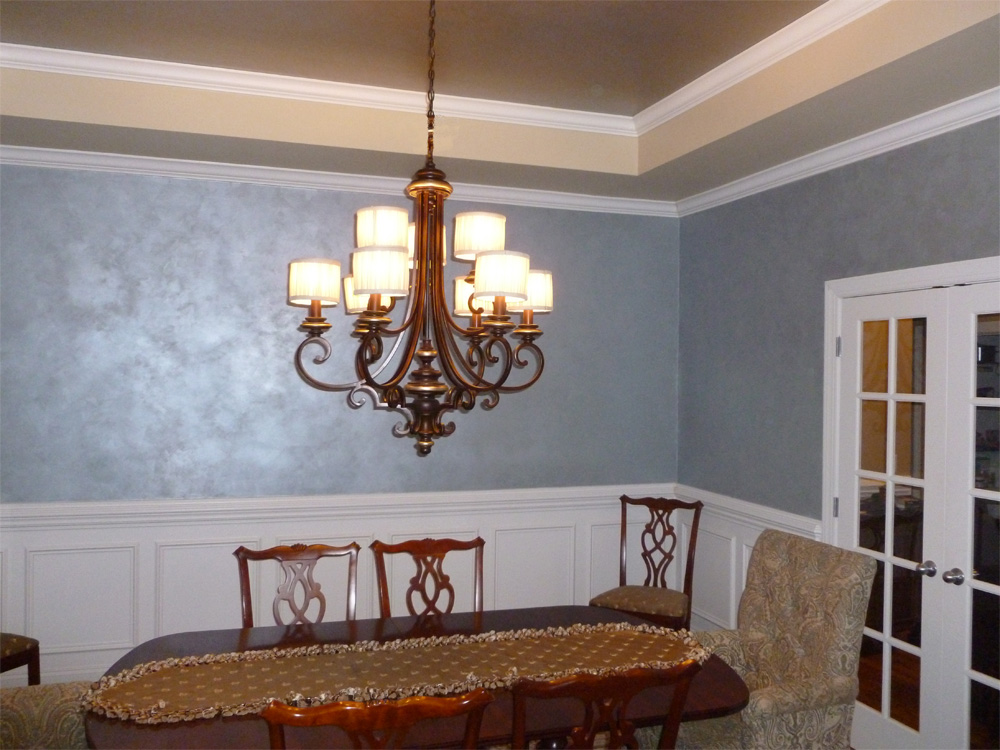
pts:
[797, 646]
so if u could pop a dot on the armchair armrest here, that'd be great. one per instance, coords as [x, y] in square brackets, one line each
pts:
[802, 695]
[728, 645]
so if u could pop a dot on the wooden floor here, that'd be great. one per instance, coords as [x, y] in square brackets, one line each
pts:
[904, 703]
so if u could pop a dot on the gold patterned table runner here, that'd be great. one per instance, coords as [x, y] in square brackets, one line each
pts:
[235, 684]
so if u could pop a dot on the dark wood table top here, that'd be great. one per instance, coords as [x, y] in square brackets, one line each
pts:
[715, 691]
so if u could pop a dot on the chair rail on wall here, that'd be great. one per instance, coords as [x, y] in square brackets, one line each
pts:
[93, 580]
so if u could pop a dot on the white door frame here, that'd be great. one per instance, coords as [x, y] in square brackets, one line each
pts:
[910, 279]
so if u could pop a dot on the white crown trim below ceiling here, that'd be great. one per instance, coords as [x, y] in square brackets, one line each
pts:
[824, 20]
[936, 122]
[816, 24]
[136, 70]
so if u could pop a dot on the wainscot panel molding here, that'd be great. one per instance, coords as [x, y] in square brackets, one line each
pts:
[92, 580]
[728, 533]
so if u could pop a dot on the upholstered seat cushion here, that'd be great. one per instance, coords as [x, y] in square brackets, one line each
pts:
[646, 599]
[43, 716]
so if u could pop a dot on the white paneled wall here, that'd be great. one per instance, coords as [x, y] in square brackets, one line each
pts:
[93, 580]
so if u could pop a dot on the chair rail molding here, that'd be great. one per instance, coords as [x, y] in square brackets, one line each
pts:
[130, 570]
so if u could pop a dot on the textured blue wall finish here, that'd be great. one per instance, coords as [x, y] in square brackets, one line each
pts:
[752, 296]
[146, 349]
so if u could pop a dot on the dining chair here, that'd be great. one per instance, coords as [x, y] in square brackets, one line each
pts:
[380, 724]
[430, 585]
[605, 700]
[659, 540]
[18, 651]
[299, 588]
[797, 647]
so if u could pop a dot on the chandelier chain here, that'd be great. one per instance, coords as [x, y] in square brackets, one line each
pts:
[430, 87]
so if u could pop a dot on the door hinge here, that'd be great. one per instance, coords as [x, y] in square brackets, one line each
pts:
[838, 346]
[836, 507]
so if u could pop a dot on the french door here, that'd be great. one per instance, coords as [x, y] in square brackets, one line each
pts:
[918, 420]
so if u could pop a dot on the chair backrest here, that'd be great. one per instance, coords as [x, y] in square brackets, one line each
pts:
[299, 588]
[803, 609]
[659, 539]
[605, 699]
[380, 724]
[430, 585]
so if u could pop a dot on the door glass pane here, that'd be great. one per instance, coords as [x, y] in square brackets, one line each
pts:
[984, 718]
[987, 448]
[910, 440]
[875, 618]
[988, 356]
[874, 415]
[870, 673]
[911, 348]
[985, 633]
[875, 356]
[907, 587]
[904, 698]
[872, 515]
[986, 541]
[908, 523]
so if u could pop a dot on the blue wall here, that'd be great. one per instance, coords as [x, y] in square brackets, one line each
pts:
[146, 349]
[752, 296]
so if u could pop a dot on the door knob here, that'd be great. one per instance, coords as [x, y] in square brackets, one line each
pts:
[954, 575]
[927, 568]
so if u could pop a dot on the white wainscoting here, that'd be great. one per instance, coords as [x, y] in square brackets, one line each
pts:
[93, 580]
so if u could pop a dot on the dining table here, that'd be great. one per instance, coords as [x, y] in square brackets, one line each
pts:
[112, 721]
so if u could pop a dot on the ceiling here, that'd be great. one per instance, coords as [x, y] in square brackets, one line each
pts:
[656, 100]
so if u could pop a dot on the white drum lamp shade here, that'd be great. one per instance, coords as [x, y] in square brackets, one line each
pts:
[502, 273]
[539, 293]
[477, 232]
[312, 279]
[353, 303]
[381, 226]
[381, 270]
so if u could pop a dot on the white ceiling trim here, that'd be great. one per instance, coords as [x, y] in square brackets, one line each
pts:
[297, 178]
[137, 70]
[953, 116]
[826, 19]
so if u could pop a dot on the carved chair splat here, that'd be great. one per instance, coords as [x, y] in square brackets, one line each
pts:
[430, 586]
[299, 588]
[606, 699]
[654, 600]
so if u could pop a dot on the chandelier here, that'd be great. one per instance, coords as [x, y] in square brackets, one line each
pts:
[428, 362]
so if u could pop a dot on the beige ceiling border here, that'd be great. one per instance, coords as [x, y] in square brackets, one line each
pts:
[119, 102]
[885, 33]
[951, 117]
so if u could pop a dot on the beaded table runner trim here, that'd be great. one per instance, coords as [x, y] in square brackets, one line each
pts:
[241, 683]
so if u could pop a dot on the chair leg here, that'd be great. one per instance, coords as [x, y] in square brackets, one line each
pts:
[34, 668]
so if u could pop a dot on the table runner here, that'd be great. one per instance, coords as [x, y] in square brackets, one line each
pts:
[241, 683]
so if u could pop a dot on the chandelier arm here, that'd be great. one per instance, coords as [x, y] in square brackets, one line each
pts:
[458, 369]
[361, 361]
[532, 347]
[414, 309]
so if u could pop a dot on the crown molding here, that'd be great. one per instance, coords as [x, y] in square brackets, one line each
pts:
[827, 18]
[936, 122]
[296, 178]
[137, 70]
[824, 20]
[969, 111]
